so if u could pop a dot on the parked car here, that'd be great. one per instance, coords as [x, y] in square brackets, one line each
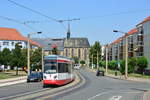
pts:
[100, 73]
[34, 77]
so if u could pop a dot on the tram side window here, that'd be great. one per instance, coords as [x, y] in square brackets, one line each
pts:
[63, 68]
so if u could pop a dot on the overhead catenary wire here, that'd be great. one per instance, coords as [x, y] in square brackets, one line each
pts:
[90, 17]
[35, 11]
[115, 14]
[22, 23]
[16, 21]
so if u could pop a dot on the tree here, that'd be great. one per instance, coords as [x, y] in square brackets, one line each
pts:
[103, 63]
[122, 67]
[6, 57]
[142, 63]
[1, 58]
[132, 64]
[24, 59]
[17, 55]
[94, 50]
[36, 58]
[82, 62]
[113, 64]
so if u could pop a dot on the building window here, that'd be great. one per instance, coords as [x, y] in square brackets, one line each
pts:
[66, 52]
[19, 43]
[85, 54]
[79, 53]
[6, 43]
[72, 52]
[12, 43]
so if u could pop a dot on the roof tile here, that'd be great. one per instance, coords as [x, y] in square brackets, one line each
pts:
[13, 34]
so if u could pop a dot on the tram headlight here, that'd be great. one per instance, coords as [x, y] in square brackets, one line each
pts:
[55, 77]
[44, 77]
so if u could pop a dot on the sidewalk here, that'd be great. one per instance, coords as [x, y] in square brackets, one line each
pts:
[123, 78]
[11, 81]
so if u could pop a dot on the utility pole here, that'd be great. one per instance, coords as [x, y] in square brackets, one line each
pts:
[126, 57]
[118, 55]
[106, 68]
[126, 52]
[92, 61]
[97, 61]
[28, 51]
[28, 54]
[42, 60]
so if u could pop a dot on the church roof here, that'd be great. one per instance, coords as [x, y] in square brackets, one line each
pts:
[49, 43]
[76, 43]
[61, 43]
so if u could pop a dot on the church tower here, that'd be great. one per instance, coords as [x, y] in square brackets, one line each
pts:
[68, 32]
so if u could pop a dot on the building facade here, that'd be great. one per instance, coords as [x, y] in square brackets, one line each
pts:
[9, 37]
[138, 43]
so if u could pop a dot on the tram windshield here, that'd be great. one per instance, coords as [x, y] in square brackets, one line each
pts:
[50, 67]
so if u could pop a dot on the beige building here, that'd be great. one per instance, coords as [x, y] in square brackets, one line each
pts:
[77, 47]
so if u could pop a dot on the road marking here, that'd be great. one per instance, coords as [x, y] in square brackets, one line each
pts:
[12, 83]
[115, 98]
[103, 93]
[91, 98]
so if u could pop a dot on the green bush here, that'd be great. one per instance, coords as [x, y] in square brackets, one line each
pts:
[82, 62]
[103, 63]
[142, 63]
[112, 64]
[130, 66]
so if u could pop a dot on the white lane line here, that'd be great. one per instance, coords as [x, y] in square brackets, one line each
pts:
[115, 98]
[19, 95]
[103, 93]
[12, 83]
[99, 95]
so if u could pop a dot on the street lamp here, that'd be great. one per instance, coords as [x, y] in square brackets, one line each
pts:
[126, 52]
[28, 55]
[106, 58]
[97, 61]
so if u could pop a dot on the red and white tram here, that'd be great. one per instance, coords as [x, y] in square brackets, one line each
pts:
[57, 70]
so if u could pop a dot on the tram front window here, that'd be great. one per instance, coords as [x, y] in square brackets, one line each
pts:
[50, 68]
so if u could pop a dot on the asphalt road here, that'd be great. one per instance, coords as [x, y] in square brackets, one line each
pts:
[95, 88]
[105, 88]
[19, 89]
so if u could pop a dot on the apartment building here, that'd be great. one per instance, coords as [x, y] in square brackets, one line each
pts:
[138, 43]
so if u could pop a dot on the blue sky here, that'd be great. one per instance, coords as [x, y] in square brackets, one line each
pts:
[96, 19]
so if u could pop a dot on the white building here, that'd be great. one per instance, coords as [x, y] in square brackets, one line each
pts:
[9, 37]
